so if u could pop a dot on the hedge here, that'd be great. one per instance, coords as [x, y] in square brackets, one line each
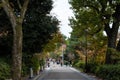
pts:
[109, 72]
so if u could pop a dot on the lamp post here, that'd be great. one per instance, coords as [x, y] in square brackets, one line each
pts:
[86, 50]
[63, 49]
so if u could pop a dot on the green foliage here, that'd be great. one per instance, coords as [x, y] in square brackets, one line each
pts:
[25, 69]
[26, 64]
[109, 72]
[4, 70]
[42, 62]
[96, 16]
[29, 61]
[34, 40]
[54, 55]
[37, 22]
[114, 56]
[79, 65]
[39, 26]
[92, 67]
[35, 64]
[53, 43]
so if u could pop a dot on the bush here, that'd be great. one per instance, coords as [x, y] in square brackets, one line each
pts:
[25, 69]
[35, 64]
[74, 62]
[42, 62]
[26, 64]
[4, 70]
[114, 56]
[79, 65]
[92, 67]
[109, 72]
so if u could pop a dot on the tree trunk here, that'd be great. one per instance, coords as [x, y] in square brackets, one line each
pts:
[16, 23]
[17, 52]
[117, 14]
[118, 46]
[112, 36]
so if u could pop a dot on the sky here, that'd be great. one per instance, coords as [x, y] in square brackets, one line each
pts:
[61, 8]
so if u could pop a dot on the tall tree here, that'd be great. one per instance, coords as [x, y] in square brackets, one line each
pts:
[16, 17]
[38, 26]
[41, 26]
[108, 14]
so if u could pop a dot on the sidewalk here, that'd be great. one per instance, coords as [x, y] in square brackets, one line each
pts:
[51, 66]
[37, 76]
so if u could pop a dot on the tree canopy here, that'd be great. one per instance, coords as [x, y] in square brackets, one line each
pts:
[96, 16]
[38, 27]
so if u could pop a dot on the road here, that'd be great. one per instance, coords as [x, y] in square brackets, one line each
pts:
[56, 72]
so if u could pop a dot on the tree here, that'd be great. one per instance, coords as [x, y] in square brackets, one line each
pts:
[39, 21]
[38, 27]
[53, 43]
[16, 17]
[39, 34]
[106, 12]
[41, 26]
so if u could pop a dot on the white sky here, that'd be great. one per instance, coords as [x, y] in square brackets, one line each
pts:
[61, 8]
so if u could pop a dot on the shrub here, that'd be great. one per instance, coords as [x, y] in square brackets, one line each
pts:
[79, 65]
[42, 62]
[26, 64]
[92, 67]
[25, 69]
[4, 70]
[109, 72]
[114, 56]
[35, 63]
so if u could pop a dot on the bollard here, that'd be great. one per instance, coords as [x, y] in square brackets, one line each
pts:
[31, 72]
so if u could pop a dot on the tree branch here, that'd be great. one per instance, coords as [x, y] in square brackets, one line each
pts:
[23, 9]
[19, 4]
[9, 11]
[107, 29]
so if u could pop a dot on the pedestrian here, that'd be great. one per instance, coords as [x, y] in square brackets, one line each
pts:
[61, 62]
[48, 64]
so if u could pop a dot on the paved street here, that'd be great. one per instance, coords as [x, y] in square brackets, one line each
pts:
[56, 72]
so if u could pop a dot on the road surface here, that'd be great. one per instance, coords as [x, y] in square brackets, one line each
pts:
[57, 72]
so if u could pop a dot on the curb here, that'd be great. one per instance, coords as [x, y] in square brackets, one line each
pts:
[38, 76]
